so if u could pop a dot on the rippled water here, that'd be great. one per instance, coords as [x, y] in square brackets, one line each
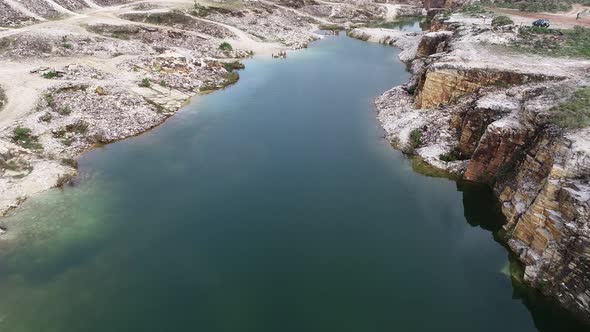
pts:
[273, 205]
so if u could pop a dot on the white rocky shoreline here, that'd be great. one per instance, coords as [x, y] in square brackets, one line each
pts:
[110, 71]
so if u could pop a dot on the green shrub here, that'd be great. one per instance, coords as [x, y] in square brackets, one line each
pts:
[230, 78]
[231, 66]
[451, 156]
[65, 44]
[578, 41]
[572, 42]
[163, 83]
[64, 111]
[68, 141]
[415, 138]
[575, 112]
[474, 9]
[145, 83]
[50, 74]
[502, 20]
[24, 137]
[535, 5]
[2, 98]
[79, 127]
[69, 162]
[200, 10]
[49, 100]
[225, 46]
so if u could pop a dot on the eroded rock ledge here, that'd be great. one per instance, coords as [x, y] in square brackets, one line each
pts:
[485, 115]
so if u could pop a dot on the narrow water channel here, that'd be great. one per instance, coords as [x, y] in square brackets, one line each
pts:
[273, 205]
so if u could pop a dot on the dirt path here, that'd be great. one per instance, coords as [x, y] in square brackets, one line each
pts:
[244, 40]
[298, 12]
[17, 81]
[558, 20]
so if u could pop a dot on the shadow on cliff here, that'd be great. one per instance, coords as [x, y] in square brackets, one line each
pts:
[482, 209]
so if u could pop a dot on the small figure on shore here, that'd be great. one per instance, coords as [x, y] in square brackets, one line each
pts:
[281, 54]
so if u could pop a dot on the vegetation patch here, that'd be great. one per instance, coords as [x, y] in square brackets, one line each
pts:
[16, 165]
[575, 112]
[421, 167]
[64, 111]
[79, 127]
[474, 9]
[145, 83]
[332, 27]
[228, 79]
[68, 141]
[49, 99]
[231, 66]
[416, 138]
[168, 18]
[200, 10]
[69, 162]
[6, 44]
[114, 31]
[2, 98]
[225, 46]
[537, 5]
[203, 11]
[65, 43]
[572, 42]
[24, 137]
[50, 74]
[452, 155]
[502, 20]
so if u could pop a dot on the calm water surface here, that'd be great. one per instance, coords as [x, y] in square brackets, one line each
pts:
[274, 205]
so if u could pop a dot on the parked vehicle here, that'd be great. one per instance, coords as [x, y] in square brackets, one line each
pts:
[542, 23]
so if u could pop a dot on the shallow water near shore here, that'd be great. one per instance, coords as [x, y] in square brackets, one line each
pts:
[273, 205]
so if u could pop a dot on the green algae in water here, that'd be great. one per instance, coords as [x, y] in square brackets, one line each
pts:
[421, 167]
[56, 218]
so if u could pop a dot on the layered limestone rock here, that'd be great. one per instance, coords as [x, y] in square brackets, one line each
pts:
[548, 210]
[502, 140]
[487, 119]
[443, 84]
[432, 43]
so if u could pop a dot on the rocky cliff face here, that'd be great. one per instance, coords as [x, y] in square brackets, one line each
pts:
[547, 203]
[485, 115]
[443, 85]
